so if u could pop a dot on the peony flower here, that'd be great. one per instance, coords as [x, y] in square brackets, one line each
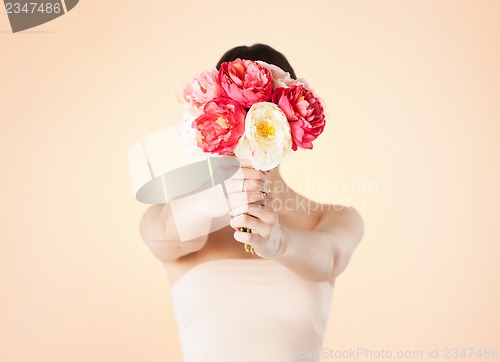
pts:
[245, 81]
[267, 139]
[304, 112]
[220, 127]
[187, 134]
[202, 88]
[281, 78]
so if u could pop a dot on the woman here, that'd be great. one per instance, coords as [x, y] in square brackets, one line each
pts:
[271, 305]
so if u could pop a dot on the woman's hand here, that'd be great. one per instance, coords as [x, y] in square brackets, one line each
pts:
[252, 208]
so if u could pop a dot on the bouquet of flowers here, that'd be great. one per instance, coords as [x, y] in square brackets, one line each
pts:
[253, 110]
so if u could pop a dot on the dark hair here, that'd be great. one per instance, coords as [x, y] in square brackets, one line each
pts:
[258, 52]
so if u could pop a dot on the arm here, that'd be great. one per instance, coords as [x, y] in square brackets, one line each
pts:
[320, 254]
[172, 235]
[160, 235]
[182, 226]
[323, 253]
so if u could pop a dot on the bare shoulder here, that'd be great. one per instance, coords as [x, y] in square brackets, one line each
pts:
[346, 226]
[345, 222]
[150, 224]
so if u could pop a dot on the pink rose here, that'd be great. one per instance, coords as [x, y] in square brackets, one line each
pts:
[202, 88]
[220, 127]
[304, 112]
[245, 81]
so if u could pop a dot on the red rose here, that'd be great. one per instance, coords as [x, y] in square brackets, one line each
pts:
[246, 82]
[304, 112]
[220, 127]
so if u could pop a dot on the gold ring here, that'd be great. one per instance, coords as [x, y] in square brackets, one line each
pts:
[248, 248]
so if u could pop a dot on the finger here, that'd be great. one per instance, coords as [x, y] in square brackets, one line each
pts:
[236, 185]
[244, 237]
[241, 198]
[254, 240]
[267, 215]
[256, 225]
[249, 173]
[246, 221]
[256, 185]
[266, 202]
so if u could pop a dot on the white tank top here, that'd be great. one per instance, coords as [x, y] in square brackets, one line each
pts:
[243, 310]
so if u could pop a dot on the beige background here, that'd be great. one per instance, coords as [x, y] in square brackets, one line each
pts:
[412, 90]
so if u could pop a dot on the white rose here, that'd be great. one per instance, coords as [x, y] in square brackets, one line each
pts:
[281, 78]
[267, 140]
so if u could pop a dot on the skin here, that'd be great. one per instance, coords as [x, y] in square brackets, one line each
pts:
[316, 243]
